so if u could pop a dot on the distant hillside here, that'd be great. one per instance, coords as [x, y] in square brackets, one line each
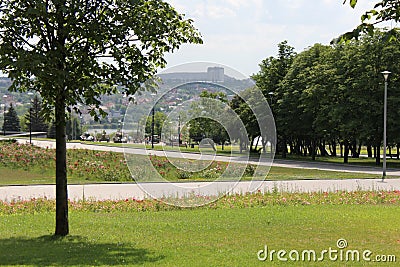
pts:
[4, 82]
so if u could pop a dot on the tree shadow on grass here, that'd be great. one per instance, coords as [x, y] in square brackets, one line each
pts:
[71, 250]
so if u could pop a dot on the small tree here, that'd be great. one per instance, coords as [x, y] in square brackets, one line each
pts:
[11, 120]
[58, 49]
[159, 120]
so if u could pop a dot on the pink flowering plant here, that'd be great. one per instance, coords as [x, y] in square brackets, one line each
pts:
[81, 164]
[89, 165]
[248, 200]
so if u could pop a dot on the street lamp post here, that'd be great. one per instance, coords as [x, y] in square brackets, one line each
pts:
[30, 125]
[4, 115]
[386, 76]
[81, 123]
[152, 122]
[179, 123]
[179, 130]
[170, 133]
[152, 128]
[30, 118]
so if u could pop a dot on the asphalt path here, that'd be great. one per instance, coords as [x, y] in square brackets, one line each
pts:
[179, 190]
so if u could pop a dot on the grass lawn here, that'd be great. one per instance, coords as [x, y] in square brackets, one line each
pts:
[199, 237]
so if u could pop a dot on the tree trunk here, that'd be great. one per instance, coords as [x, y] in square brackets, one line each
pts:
[333, 151]
[353, 148]
[313, 149]
[251, 144]
[256, 146]
[284, 148]
[359, 149]
[62, 228]
[369, 151]
[322, 148]
[264, 145]
[346, 152]
[378, 156]
[341, 150]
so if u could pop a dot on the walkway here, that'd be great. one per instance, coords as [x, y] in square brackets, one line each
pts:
[158, 190]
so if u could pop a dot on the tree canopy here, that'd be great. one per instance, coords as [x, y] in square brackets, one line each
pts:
[333, 95]
[35, 117]
[383, 11]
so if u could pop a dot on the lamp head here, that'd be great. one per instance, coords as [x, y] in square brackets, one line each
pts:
[386, 74]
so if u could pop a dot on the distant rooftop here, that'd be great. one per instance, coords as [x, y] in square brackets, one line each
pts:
[213, 74]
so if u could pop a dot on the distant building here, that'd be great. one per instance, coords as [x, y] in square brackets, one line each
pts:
[213, 74]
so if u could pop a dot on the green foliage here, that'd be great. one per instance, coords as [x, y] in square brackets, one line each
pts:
[75, 51]
[202, 126]
[332, 95]
[73, 128]
[159, 122]
[62, 43]
[384, 11]
[11, 121]
[35, 116]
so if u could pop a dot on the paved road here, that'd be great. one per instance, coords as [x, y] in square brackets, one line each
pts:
[159, 190]
[163, 190]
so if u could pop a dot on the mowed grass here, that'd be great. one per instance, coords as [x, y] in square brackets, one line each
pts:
[199, 237]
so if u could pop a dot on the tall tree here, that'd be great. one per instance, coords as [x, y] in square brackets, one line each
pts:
[269, 79]
[59, 48]
[11, 120]
[35, 117]
[201, 126]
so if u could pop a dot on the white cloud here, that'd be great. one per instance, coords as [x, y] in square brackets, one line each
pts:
[220, 12]
[237, 3]
[211, 11]
[241, 33]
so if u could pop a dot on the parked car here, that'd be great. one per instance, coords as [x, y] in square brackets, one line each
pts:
[104, 137]
[119, 138]
[87, 137]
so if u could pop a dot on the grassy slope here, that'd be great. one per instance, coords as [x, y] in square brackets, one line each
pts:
[222, 237]
[19, 177]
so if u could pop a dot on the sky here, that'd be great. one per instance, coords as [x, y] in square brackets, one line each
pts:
[241, 33]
